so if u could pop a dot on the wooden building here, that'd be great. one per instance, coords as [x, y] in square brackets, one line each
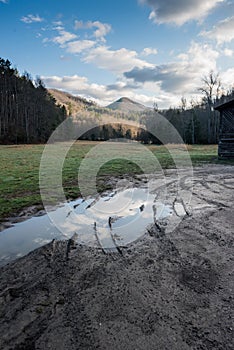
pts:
[226, 129]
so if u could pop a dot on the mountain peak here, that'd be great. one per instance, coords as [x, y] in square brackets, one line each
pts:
[125, 104]
[125, 99]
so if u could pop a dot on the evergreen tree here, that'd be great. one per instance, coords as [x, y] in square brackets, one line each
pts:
[28, 113]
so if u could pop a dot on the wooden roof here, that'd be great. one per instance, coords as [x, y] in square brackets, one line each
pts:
[224, 102]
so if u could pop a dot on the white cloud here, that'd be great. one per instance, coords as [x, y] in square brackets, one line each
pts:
[80, 85]
[137, 79]
[65, 58]
[122, 86]
[58, 23]
[94, 51]
[73, 83]
[117, 61]
[182, 76]
[58, 27]
[32, 19]
[79, 24]
[180, 11]
[227, 78]
[101, 94]
[222, 32]
[167, 82]
[4, 1]
[79, 46]
[66, 40]
[102, 29]
[63, 37]
[228, 52]
[149, 51]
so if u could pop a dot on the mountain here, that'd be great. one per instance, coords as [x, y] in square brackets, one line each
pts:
[102, 123]
[77, 106]
[73, 104]
[124, 104]
[80, 108]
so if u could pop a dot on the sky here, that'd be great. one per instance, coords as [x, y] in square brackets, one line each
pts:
[152, 51]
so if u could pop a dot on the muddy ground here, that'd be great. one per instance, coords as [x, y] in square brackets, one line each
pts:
[171, 289]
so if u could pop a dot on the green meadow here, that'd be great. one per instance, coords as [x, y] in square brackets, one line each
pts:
[19, 177]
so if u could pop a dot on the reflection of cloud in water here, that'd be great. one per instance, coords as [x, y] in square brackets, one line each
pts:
[41, 241]
[88, 218]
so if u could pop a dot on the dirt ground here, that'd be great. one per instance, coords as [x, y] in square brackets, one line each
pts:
[171, 289]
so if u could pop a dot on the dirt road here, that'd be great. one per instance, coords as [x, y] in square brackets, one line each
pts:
[172, 289]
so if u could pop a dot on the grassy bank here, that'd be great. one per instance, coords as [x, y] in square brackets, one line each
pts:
[19, 177]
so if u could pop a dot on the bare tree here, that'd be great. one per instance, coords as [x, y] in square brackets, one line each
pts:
[155, 106]
[211, 89]
[183, 103]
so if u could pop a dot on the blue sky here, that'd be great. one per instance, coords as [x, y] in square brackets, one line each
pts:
[148, 50]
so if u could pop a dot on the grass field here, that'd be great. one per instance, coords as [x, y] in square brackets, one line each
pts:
[19, 177]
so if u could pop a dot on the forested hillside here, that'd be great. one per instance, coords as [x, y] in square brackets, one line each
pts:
[196, 122]
[28, 113]
[196, 125]
[79, 108]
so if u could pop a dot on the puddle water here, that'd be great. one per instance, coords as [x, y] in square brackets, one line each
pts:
[115, 220]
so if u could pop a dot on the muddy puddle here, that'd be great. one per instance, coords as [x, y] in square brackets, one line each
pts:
[107, 222]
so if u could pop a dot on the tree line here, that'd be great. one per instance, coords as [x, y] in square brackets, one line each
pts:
[196, 121]
[28, 113]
